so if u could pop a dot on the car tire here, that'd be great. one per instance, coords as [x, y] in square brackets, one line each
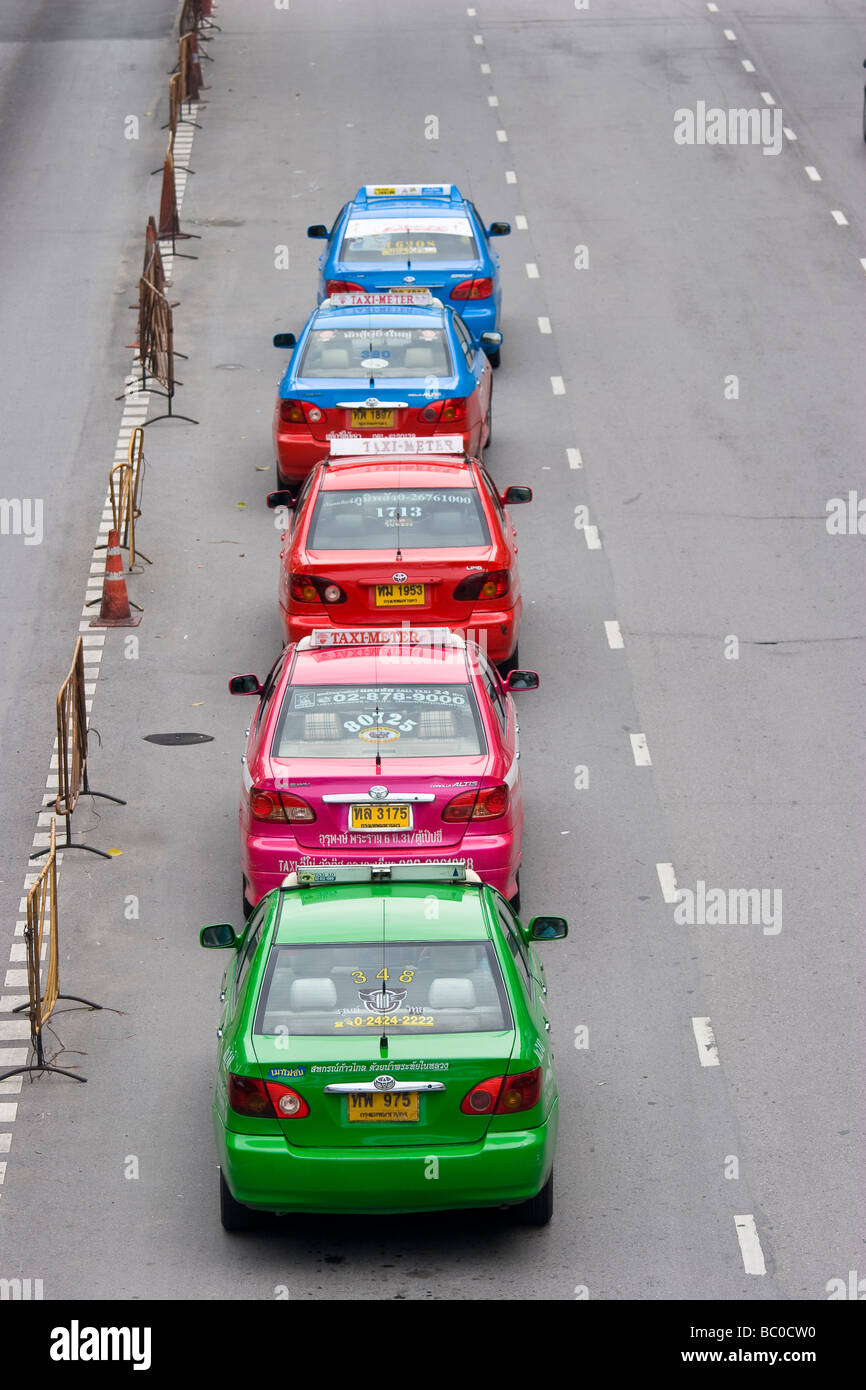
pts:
[514, 903]
[247, 905]
[234, 1215]
[494, 358]
[511, 663]
[539, 1209]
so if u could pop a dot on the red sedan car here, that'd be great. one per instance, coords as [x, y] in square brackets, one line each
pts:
[389, 537]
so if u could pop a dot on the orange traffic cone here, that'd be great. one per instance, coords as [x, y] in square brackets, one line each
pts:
[115, 610]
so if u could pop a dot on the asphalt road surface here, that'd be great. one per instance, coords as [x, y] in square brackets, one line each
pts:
[683, 321]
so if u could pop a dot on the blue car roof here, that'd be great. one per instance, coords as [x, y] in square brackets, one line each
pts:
[427, 198]
[413, 317]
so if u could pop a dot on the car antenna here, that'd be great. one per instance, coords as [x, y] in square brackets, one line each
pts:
[383, 1041]
[378, 753]
[398, 559]
[372, 380]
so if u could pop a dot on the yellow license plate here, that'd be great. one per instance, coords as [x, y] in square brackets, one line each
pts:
[372, 419]
[399, 595]
[372, 817]
[379, 1106]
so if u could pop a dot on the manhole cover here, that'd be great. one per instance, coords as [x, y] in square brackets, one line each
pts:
[174, 739]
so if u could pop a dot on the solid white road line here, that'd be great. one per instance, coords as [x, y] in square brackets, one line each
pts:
[668, 882]
[813, 173]
[750, 1245]
[614, 636]
[640, 750]
[839, 218]
[706, 1041]
[575, 459]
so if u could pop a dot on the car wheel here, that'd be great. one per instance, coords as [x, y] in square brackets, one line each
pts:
[494, 358]
[234, 1215]
[248, 906]
[511, 663]
[539, 1209]
[515, 901]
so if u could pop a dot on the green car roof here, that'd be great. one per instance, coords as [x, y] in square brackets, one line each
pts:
[359, 912]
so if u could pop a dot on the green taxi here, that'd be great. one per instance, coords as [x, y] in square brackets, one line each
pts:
[384, 1047]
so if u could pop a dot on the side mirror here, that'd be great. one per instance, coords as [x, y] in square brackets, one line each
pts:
[317, 231]
[492, 339]
[284, 340]
[283, 498]
[520, 680]
[512, 495]
[547, 929]
[499, 229]
[245, 685]
[218, 937]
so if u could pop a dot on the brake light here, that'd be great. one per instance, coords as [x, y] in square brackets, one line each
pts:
[247, 1096]
[481, 1100]
[483, 586]
[473, 289]
[442, 412]
[291, 413]
[312, 589]
[343, 287]
[279, 806]
[487, 804]
[287, 1103]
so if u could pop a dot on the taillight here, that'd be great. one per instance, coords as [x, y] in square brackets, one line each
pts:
[504, 1095]
[520, 1092]
[287, 1103]
[443, 412]
[481, 1100]
[247, 1096]
[473, 289]
[343, 287]
[487, 804]
[483, 586]
[311, 589]
[279, 806]
[300, 412]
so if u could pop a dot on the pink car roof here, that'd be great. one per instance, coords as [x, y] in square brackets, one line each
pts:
[352, 665]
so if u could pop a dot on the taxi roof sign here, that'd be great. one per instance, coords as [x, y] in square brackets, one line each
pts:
[346, 446]
[316, 875]
[380, 637]
[408, 190]
[418, 299]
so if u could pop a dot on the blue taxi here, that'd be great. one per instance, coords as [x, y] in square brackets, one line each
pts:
[383, 365]
[417, 235]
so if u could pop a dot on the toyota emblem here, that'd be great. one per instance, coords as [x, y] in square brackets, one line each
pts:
[378, 793]
[384, 1083]
[399, 577]
[408, 279]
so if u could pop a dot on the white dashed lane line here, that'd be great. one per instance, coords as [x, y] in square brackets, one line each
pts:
[750, 1245]
[531, 270]
[839, 218]
[510, 176]
[640, 750]
[730, 35]
[592, 538]
[478, 38]
[502, 137]
[813, 173]
[521, 223]
[750, 67]
[613, 634]
[575, 458]
[667, 882]
[544, 325]
[485, 68]
[492, 101]
[768, 99]
[557, 385]
[706, 1041]
[788, 133]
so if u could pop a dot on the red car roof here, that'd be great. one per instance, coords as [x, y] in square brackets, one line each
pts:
[440, 471]
[353, 665]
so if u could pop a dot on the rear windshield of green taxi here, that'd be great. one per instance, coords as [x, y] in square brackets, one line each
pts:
[415, 988]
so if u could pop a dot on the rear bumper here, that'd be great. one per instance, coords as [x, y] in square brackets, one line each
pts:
[495, 632]
[267, 859]
[268, 1174]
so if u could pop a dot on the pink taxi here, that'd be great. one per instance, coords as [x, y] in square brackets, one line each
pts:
[381, 746]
